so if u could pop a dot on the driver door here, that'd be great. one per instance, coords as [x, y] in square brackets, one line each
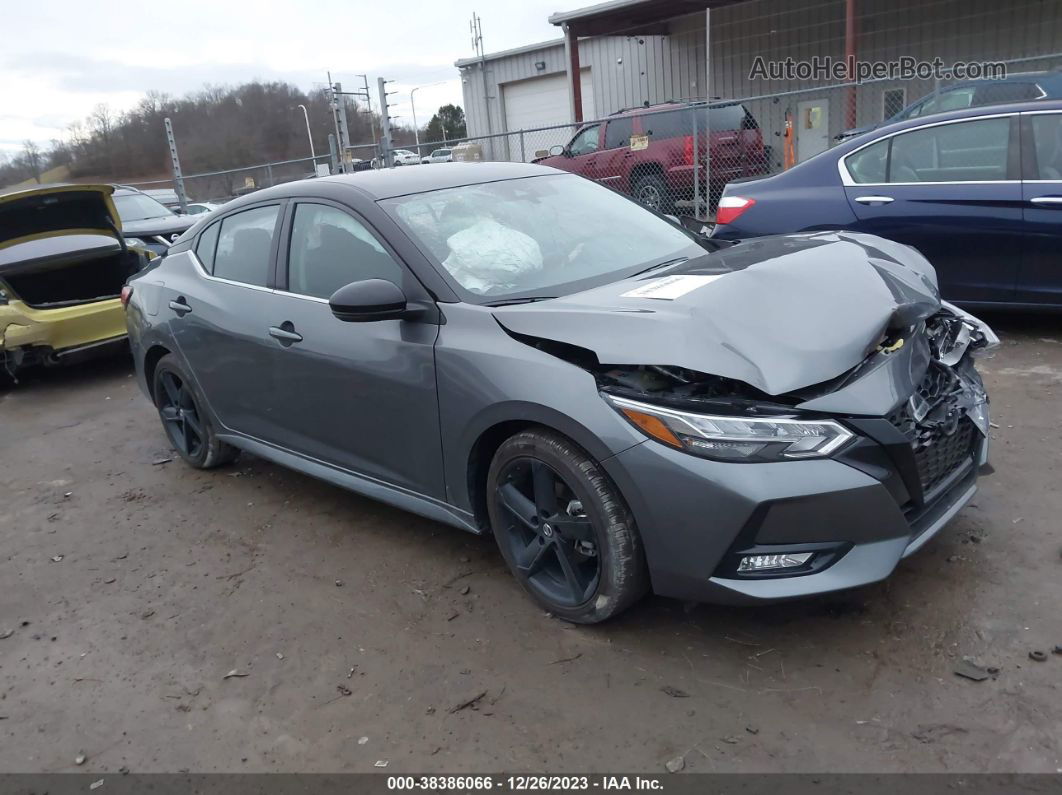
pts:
[581, 152]
[360, 396]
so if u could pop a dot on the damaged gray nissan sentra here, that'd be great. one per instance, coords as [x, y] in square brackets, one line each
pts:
[517, 351]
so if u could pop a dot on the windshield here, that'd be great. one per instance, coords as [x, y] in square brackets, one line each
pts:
[537, 237]
[138, 207]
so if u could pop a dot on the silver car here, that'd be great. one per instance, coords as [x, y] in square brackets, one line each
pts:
[514, 350]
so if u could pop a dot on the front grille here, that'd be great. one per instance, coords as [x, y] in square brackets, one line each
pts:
[942, 455]
[942, 441]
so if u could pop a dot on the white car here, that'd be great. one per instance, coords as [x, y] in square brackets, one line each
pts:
[403, 157]
[199, 208]
[439, 156]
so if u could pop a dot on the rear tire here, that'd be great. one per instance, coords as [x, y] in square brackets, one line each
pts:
[187, 425]
[652, 191]
[563, 528]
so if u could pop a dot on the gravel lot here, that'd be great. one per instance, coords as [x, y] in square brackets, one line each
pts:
[357, 632]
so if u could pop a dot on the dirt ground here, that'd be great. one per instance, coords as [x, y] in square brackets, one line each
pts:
[356, 631]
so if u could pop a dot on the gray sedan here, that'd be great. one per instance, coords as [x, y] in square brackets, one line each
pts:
[514, 350]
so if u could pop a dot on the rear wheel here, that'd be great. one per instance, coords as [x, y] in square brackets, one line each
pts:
[563, 529]
[188, 427]
[651, 190]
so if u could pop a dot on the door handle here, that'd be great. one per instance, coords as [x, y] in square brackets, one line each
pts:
[874, 199]
[285, 333]
[1046, 200]
[180, 307]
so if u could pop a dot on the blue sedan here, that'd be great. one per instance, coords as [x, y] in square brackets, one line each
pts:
[977, 191]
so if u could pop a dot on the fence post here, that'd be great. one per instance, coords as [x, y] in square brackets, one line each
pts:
[333, 157]
[696, 166]
[523, 157]
[178, 176]
[269, 174]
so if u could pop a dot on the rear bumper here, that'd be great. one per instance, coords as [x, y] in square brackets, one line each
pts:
[28, 334]
[696, 518]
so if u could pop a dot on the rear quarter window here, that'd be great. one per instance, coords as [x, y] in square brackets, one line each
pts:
[208, 242]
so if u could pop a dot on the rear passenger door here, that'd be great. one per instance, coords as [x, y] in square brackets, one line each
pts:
[953, 191]
[612, 163]
[360, 396]
[215, 310]
[1040, 281]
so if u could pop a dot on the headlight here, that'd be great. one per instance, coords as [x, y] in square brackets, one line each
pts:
[726, 438]
[135, 241]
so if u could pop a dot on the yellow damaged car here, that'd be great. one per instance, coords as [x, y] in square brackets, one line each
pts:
[63, 263]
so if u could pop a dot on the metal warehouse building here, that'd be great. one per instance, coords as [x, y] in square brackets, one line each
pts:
[628, 52]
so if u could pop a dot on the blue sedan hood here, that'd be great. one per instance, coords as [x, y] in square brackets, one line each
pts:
[778, 313]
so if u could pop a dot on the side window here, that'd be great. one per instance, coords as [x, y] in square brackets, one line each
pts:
[330, 249]
[728, 117]
[586, 141]
[667, 124]
[618, 132]
[994, 92]
[963, 152]
[1047, 138]
[244, 244]
[956, 99]
[867, 166]
[204, 249]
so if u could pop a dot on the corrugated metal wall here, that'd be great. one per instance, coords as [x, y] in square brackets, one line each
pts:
[629, 70]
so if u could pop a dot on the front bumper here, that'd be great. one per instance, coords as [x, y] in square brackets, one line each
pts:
[696, 516]
[29, 335]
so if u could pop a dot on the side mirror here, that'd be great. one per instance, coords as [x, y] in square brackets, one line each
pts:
[557, 149]
[369, 300]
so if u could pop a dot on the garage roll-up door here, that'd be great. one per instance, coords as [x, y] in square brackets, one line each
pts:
[542, 101]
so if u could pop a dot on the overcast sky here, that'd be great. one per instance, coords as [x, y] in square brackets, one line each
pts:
[60, 58]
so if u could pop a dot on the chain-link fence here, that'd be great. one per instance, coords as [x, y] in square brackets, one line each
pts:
[220, 186]
[678, 156]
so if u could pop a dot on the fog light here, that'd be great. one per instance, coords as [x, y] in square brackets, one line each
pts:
[765, 562]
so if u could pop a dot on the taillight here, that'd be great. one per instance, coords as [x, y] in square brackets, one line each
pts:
[730, 207]
[687, 149]
[127, 293]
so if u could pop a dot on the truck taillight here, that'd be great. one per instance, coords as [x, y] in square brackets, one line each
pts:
[730, 207]
[687, 150]
[127, 293]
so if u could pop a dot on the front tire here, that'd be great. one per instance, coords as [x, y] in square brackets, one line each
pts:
[187, 426]
[563, 528]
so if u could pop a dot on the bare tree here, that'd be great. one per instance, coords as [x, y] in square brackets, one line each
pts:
[31, 156]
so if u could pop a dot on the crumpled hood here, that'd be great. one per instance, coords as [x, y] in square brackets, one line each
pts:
[166, 226]
[778, 313]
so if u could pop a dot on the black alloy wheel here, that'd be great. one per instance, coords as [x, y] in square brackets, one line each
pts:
[188, 427]
[548, 532]
[180, 415]
[564, 529]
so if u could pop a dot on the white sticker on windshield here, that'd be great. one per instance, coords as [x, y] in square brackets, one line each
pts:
[671, 287]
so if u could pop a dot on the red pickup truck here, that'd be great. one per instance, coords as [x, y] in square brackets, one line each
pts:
[648, 152]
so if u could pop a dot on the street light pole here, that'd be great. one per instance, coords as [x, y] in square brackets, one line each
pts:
[416, 130]
[306, 116]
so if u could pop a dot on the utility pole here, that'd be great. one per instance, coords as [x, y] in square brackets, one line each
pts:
[477, 45]
[368, 102]
[385, 122]
[339, 116]
[178, 175]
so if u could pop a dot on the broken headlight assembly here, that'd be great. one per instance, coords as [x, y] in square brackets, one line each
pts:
[734, 438]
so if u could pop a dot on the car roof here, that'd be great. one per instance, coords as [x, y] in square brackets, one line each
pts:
[933, 118]
[390, 182]
[1040, 78]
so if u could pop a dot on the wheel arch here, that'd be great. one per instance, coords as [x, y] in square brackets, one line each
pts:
[504, 423]
[152, 358]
